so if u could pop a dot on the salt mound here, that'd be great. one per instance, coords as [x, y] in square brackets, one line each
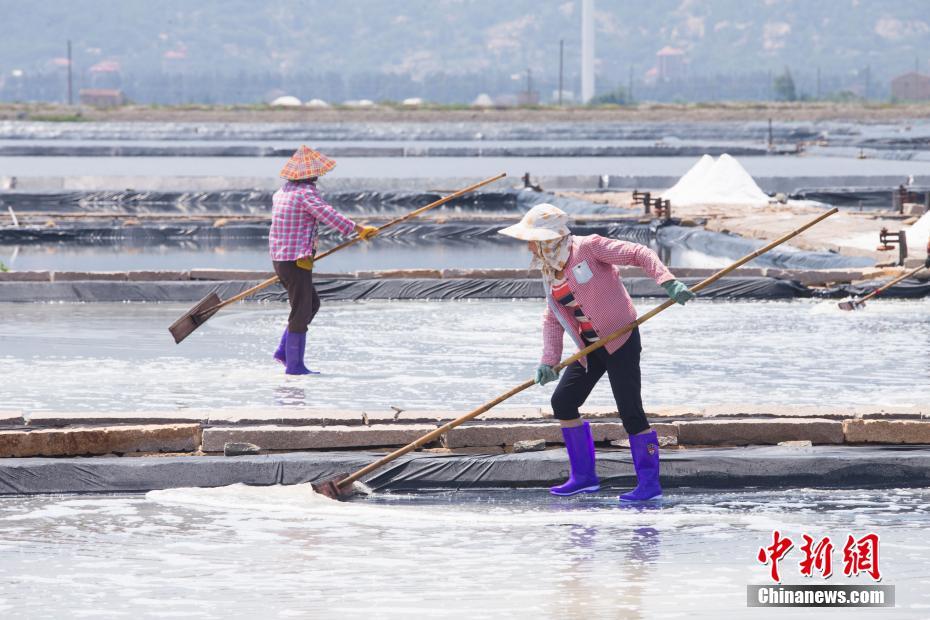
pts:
[724, 182]
[286, 101]
[688, 184]
[919, 231]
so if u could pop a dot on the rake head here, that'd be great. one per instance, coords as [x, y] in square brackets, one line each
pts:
[331, 489]
[195, 317]
[850, 305]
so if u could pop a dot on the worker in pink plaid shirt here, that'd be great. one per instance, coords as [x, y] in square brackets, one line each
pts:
[586, 299]
[296, 215]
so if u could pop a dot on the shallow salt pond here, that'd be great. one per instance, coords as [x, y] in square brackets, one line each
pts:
[452, 167]
[453, 355]
[282, 552]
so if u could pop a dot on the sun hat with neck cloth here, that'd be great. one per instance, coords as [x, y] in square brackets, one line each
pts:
[544, 222]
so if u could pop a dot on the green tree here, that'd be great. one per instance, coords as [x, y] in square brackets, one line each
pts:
[618, 96]
[784, 87]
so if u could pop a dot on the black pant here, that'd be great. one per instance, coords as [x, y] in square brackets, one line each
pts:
[622, 367]
[302, 295]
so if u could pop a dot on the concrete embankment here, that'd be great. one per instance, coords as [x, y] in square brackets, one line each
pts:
[722, 446]
[286, 429]
[726, 446]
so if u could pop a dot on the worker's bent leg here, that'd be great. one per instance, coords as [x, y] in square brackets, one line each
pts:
[626, 383]
[574, 388]
[301, 294]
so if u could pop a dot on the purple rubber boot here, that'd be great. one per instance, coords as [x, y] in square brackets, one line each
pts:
[580, 447]
[645, 450]
[294, 347]
[280, 354]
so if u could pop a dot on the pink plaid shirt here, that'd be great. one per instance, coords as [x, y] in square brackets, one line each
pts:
[297, 207]
[599, 291]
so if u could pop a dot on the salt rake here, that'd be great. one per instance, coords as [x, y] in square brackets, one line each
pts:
[211, 304]
[857, 304]
[341, 487]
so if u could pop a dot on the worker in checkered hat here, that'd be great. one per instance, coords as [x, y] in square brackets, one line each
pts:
[297, 212]
[587, 300]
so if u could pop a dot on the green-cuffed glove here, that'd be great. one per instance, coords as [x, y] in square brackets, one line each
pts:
[545, 374]
[678, 291]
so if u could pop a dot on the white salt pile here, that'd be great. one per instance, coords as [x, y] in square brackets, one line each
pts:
[918, 232]
[724, 182]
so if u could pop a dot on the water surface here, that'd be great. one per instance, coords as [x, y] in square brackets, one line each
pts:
[279, 552]
[453, 355]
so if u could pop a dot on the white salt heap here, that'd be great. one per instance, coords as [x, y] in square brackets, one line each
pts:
[723, 182]
[918, 232]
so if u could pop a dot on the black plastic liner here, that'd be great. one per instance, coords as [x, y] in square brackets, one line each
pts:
[253, 202]
[906, 289]
[767, 467]
[411, 233]
[354, 290]
[865, 197]
[468, 288]
[258, 202]
[722, 244]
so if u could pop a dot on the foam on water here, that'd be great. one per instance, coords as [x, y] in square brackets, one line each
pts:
[300, 501]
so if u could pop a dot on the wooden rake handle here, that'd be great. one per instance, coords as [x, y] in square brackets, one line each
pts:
[273, 280]
[445, 428]
[887, 286]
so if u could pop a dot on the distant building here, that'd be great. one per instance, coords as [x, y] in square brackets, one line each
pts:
[175, 61]
[528, 97]
[106, 75]
[911, 86]
[101, 97]
[670, 63]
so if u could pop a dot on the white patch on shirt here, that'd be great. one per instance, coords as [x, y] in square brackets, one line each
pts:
[582, 272]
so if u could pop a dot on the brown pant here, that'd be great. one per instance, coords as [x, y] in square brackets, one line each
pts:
[302, 295]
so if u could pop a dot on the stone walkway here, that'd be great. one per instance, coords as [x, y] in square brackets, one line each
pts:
[32, 434]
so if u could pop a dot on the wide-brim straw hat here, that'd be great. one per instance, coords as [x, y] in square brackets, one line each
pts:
[306, 163]
[544, 222]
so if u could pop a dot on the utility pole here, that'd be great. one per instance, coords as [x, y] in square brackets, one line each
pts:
[529, 83]
[561, 67]
[587, 51]
[868, 80]
[818, 82]
[70, 97]
[629, 89]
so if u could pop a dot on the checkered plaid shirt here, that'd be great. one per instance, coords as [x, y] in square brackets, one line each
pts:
[297, 208]
[601, 296]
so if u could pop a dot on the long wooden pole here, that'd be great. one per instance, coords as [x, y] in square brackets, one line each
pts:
[273, 280]
[887, 286]
[445, 428]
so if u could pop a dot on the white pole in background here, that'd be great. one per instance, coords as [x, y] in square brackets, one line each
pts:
[587, 50]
